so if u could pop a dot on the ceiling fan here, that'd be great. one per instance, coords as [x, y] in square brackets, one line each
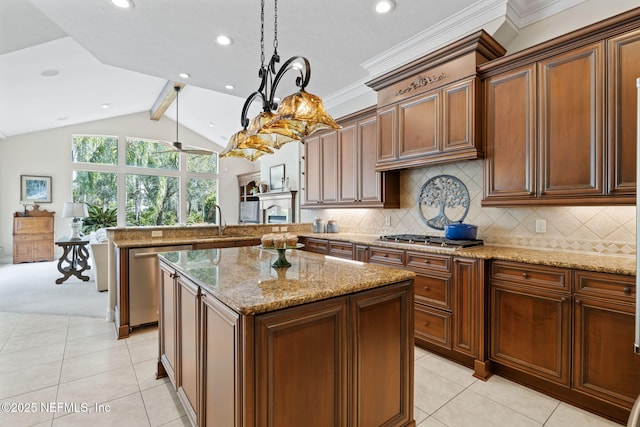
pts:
[177, 145]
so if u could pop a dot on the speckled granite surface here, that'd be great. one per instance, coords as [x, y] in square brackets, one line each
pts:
[244, 280]
[619, 264]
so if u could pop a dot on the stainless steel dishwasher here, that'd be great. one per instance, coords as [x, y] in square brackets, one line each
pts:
[143, 283]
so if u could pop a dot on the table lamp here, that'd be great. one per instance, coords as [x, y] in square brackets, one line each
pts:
[77, 211]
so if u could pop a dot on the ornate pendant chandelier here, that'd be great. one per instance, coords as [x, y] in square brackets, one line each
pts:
[298, 116]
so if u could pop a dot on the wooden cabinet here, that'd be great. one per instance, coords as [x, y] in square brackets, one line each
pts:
[604, 364]
[428, 110]
[560, 119]
[341, 249]
[321, 161]
[188, 345]
[340, 167]
[530, 319]
[319, 246]
[33, 236]
[167, 322]
[435, 127]
[346, 360]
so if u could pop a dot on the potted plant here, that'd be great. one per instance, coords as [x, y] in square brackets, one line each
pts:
[99, 217]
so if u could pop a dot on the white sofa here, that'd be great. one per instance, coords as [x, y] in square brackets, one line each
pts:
[98, 246]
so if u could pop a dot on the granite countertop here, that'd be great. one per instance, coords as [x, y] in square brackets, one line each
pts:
[243, 279]
[605, 263]
[168, 241]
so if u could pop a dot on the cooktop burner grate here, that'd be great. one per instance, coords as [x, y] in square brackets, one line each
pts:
[430, 240]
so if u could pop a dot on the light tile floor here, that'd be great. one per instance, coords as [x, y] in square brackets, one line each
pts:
[71, 371]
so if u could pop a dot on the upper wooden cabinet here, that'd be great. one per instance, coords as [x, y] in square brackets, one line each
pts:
[560, 119]
[428, 110]
[340, 167]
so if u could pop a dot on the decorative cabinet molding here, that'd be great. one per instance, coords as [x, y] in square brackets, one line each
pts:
[428, 110]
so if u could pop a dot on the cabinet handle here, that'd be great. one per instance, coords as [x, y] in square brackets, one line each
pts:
[525, 275]
[627, 290]
[426, 288]
[386, 255]
[563, 299]
[578, 301]
[426, 323]
[426, 261]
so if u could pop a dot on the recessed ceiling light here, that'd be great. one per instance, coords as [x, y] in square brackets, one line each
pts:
[212, 124]
[224, 40]
[124, 4]
[185, 75]
[63, 118]
[50, 73]
[385, 6]
[105, 106]
[229, 87]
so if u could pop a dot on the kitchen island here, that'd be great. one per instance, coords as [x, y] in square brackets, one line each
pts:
[323, 342]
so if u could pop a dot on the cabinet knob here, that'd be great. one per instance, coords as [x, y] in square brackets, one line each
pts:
[386, 255]
[578, 301]
[426, 323]
[426, 288]
[627, 290]
[563, 299]
[525, 275]
[426, 261]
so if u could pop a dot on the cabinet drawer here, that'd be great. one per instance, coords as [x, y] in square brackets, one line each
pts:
[432, 325]
[341, 249]
[433, 290]
[392, 257]
[33, 237]
[319, 246]
[423, 261]
[610, 286]
[530, 274]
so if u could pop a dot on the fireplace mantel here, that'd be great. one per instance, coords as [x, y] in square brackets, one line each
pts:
[278, 204]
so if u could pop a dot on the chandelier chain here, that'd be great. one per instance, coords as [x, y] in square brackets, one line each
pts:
[262, 34]
[275, 27]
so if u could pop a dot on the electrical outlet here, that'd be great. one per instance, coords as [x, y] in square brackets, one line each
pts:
[284, 228]
[387, 221]
[275, 229]
[156, 233]
[541, 226]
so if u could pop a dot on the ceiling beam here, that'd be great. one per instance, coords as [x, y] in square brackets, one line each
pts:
[165, 98]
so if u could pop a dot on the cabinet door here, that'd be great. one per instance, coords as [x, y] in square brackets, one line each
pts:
[188, 315]
[466, 301]
[531, 331]
[221, 350]
[22, 250]
[623, 70]
[571, 123]
[312, 170]
[510, 135]
[419, 130]
[302, 366]
[604, 362]
[458, 120]
[382, 374]
[387, 137]
[329, 168]
[369, 181]
[347, 171]
[43, 249]
[167, 322]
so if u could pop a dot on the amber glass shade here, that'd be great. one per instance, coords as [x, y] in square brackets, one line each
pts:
[243, 145]
[270, 137]
[301, 113]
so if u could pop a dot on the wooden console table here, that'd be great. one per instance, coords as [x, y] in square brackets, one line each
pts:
[75, 256]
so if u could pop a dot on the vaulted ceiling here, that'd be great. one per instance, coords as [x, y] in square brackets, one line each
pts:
[101, 54]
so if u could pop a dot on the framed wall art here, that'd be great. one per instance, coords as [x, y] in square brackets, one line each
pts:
[35, 189]
[276, 177]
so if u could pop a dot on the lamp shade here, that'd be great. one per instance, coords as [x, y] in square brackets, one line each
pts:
[74, 210]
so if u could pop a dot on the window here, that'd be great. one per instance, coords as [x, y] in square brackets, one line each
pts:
[158, 186]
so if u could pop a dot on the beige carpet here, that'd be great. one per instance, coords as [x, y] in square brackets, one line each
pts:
[31, 288]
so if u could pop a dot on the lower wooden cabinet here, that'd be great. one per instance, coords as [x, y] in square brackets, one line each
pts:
[570, 332]
[337, 362]
[604, 364]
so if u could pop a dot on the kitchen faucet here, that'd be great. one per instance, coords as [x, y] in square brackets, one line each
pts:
[220, 226]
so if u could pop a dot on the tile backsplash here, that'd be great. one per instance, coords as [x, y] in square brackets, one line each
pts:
[600, 229]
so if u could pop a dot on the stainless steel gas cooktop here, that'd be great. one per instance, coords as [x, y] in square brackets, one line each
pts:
[420, 239]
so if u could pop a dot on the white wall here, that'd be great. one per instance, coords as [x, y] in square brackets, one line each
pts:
[48, 153]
